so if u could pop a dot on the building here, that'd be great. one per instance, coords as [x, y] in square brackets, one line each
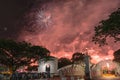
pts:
[48, 65]
[106, 70]
[74, 70]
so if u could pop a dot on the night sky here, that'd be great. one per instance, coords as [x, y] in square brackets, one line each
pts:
[62, 26]
[12, 16]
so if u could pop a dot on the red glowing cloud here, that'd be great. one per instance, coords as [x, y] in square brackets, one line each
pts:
[67, 27]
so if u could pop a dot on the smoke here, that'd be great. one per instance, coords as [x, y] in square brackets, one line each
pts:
[65, 27]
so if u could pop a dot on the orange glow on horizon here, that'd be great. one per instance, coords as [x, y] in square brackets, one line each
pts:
[95, 58]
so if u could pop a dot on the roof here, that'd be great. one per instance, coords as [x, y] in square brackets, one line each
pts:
[48, 58]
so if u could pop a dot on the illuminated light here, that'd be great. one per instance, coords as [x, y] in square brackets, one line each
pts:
[108, 65]
[108, 71]
[47, 65]
[6, 72]
[108, 76]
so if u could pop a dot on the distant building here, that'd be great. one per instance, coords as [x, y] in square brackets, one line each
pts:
[105, 70]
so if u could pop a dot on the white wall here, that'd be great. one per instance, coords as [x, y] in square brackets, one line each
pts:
[53, 65]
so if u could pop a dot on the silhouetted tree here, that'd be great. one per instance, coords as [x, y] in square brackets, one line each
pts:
[16, 54]
[32, 68]
[108, 28]
[77, 57]
[63, 62]
[117, 56]
[39, 52]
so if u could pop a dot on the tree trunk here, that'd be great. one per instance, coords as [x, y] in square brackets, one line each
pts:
[11, 69]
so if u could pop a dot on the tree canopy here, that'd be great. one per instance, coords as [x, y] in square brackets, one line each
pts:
[63, 62]
[117, 56]
[16, 54]
[108, 28]
[77, 57]
[32, 68]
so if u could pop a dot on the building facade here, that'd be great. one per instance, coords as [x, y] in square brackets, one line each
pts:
[48, 65]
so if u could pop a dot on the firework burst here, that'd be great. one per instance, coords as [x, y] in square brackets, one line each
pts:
[43, 19]
[67, 27]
